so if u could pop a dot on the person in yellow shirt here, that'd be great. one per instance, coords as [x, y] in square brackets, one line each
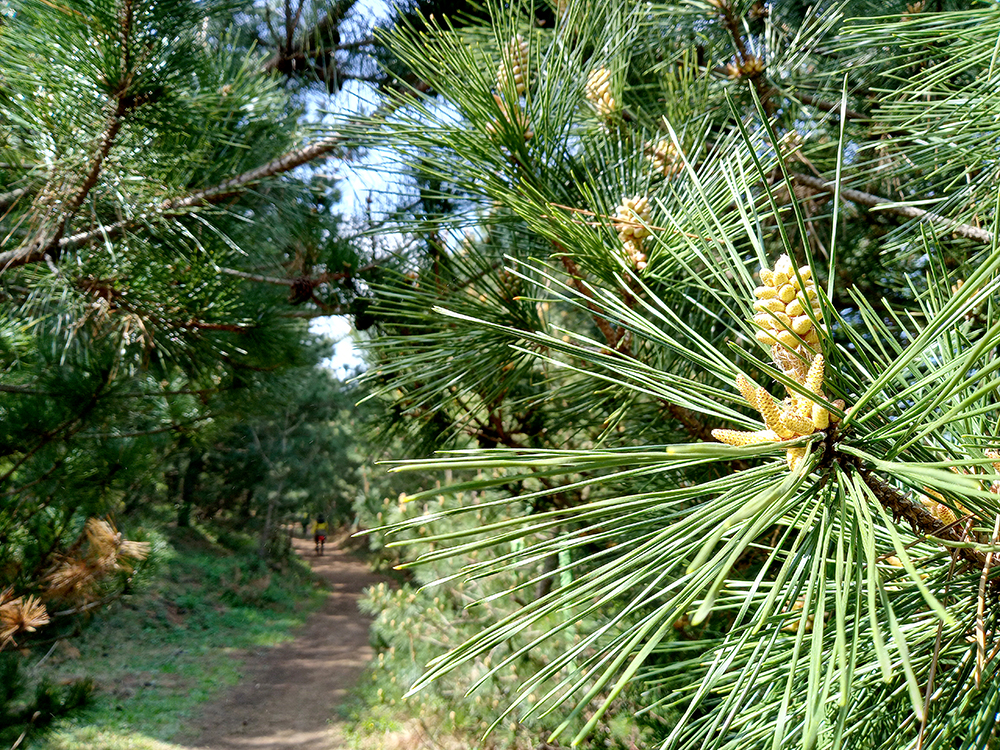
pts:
[319, 533]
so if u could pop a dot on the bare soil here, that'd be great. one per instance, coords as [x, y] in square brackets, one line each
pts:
[289, 694]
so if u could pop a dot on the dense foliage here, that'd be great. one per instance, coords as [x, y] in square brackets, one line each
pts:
[159, 266]
[762, 486]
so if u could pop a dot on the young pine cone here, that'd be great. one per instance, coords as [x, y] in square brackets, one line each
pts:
[598, 92]
[752, 66]
[635, 254]
[514, 65]
[514, 116]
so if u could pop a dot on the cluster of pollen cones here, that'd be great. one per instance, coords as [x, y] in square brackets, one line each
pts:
[784, 301]
[630, 222]
[512, 72]
[598, 92]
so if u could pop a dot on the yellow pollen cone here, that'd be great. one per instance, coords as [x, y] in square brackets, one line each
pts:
[794, 456]
[797, 425]
[820, 417]
[814, 378]
[747, 389]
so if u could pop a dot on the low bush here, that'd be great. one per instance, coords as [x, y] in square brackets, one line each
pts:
[419, 621]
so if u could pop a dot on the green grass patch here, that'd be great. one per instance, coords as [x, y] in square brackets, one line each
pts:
[159, 653]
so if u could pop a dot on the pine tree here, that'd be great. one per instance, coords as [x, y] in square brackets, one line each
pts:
[161, 252]
[160, 258]
[709, 306]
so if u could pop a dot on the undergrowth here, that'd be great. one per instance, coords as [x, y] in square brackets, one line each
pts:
[418, 621]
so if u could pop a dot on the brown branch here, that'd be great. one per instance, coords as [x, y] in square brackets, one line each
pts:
[178, 206]
[310, 314]
[282, 60]
[576, 279]
[227, 188]
[981, 606]
[23, 389]
[694, 426]
[921, 519]
[198, 325]
[284, 163]
[9, 198]
[834, 107]
[324, 278]
[211, 195]
[867, 199]
[143, 433]
[755, 75]
[47, 244]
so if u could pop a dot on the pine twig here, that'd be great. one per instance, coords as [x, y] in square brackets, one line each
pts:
[980, 609]
[867, 199]
[834, 107]
[920, 518]
[208, 196]
[692, 425]
[7, 199]
[281, 60]
[576, 279]
[178, 206]
[47, 246]
[744, 57]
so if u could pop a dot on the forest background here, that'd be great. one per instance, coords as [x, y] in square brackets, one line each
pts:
[559, 292]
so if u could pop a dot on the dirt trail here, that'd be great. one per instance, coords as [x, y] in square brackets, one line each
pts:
[289, 694]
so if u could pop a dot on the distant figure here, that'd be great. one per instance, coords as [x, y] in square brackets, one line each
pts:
[319, 534]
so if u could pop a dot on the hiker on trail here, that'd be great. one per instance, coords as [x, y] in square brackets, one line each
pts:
[319, 534]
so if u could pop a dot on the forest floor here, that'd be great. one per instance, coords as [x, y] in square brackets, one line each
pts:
[289, 695]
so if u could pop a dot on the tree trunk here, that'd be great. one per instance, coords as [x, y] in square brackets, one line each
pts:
[188, 487]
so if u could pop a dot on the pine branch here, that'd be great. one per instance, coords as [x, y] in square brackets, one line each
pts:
[23, 389]
[65, 429]
[692, 425]
[576, 279]
[834, 107]
[208, 196]
[8, 199]
[48, 246]
[920, 518]
[748, 65]
[180, 206]
[142, 433]
[279, 59]
[324, 278]
[284, 60]
[311, 314]
[867, 199]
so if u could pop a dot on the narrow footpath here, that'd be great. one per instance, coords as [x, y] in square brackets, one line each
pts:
[289, 694]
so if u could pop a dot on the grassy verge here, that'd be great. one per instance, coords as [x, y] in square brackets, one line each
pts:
[158, 654]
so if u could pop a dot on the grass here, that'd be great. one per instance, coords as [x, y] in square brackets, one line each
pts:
[159, 653]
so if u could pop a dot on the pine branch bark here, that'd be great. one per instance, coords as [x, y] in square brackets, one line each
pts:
[919, 517]
[867, 199]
